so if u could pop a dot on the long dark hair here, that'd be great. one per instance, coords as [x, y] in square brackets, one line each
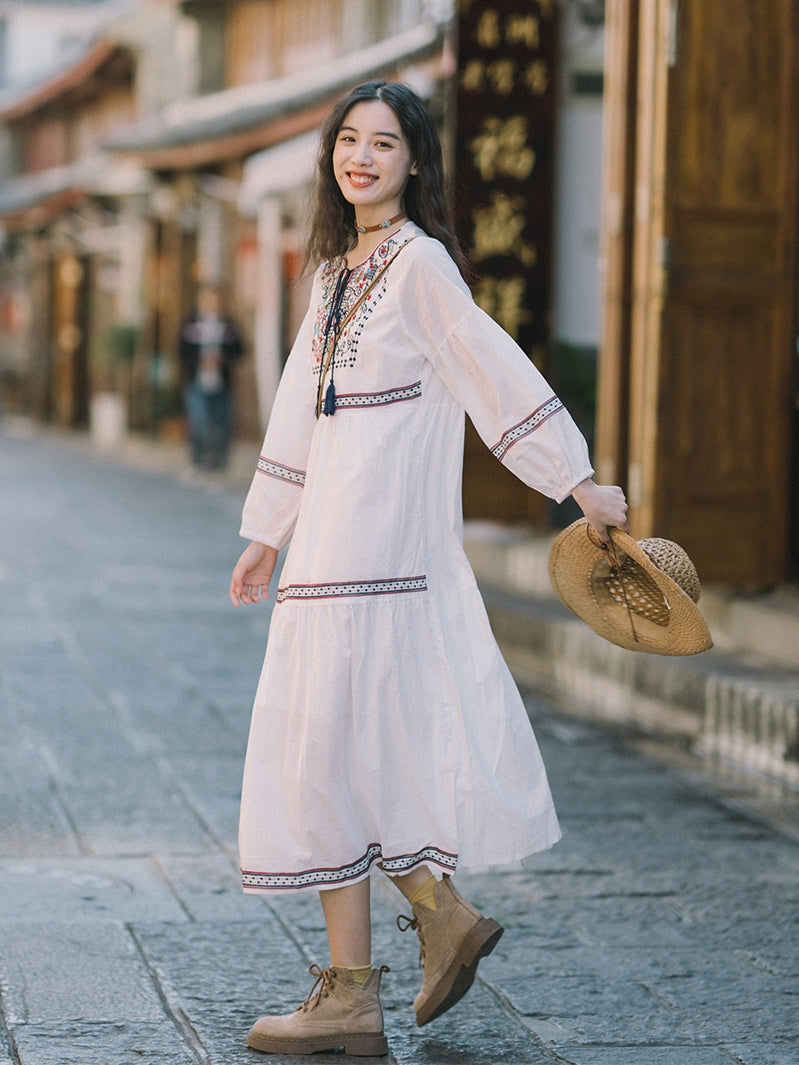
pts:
[333, 230]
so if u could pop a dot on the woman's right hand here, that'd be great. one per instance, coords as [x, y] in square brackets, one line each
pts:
[252, 574]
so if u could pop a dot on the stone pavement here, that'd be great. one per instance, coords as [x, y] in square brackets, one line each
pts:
[661, 931]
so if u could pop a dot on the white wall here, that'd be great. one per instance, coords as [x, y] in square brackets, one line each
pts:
[577, 188]
[42, 37]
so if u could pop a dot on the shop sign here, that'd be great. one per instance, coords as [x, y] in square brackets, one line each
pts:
[504, 160]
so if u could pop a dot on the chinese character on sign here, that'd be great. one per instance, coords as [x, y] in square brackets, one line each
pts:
[502, 76]
[536, 77]
[488, 34]
[503, 299]
[505, 149]
[499, 228]
[523, 29]
[502, 148]
[473, 76]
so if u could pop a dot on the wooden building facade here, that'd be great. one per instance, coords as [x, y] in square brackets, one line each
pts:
[697, 405]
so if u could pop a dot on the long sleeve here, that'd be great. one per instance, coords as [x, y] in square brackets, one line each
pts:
[512, 406]
[273, 501]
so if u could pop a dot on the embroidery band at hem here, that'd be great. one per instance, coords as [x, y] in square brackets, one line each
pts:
[344, 874]
[531, 423]
[352, 588]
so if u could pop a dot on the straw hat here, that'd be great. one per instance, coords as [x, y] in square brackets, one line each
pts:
[640, 595]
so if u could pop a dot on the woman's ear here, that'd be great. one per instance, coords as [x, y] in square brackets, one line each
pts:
[414, 170]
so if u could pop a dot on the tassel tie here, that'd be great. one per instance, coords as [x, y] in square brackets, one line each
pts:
[333, 326]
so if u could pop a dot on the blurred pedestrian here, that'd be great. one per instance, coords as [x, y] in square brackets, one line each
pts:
[387, 731]
[209, 346]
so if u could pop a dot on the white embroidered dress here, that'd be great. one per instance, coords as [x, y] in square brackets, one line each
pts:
[386, 727]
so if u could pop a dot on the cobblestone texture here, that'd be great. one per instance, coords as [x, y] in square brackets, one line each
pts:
[663, 929]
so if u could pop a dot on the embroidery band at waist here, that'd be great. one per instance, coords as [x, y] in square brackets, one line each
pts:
[359, 400]
[349, 589]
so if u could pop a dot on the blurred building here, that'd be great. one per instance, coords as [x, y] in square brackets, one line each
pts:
[233, 162]
[45, 55]
[625, 176]
[171, 146]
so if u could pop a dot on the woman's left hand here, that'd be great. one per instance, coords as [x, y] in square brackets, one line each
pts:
[604, 506]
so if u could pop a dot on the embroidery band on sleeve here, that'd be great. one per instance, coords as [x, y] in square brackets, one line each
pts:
[281, 472]
[529, 425]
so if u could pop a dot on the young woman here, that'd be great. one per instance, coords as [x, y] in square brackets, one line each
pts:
[387, 732]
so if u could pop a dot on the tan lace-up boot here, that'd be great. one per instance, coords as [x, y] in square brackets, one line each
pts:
[336, 1013]
[453, 938]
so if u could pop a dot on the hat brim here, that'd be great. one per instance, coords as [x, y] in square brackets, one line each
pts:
[573, 563]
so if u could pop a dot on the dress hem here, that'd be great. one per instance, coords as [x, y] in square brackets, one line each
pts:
[255, 882]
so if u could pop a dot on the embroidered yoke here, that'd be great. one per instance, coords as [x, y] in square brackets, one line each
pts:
[386, 726]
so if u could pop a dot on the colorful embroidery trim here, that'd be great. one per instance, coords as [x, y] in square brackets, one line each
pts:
[403, 862]
[355, 400]
[362, 275]
[529, 425]
[352, 588]
[343, 874]
[282, 473]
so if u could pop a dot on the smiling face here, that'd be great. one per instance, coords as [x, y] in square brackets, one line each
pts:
[372, 161]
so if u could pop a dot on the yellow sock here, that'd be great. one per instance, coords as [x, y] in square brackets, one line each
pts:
[426, 894]
[361, 974]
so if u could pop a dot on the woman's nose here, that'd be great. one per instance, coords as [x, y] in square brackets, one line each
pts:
[361, 154]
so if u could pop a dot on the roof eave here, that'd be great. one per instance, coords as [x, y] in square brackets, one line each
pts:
[240, 120]
[54, 87]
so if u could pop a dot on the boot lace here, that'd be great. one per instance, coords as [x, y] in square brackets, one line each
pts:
[412, 922]
[322, 986]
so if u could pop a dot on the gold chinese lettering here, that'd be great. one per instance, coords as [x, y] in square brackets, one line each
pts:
[502, 148]
[501, 75]
[536, 77]
[488, 31]
[473, 76]
[503, 299]
[499, 229]
[523, 29]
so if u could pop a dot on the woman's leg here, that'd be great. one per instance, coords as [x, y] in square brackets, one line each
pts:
[349, 924]
[453, 936]
[343, 1008]
[409, 883]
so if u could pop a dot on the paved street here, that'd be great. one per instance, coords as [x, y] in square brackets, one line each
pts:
[663, 930]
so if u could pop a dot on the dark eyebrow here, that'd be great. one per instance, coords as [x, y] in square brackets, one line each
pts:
[377, 134]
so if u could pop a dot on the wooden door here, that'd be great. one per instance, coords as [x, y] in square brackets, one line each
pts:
[712, 289]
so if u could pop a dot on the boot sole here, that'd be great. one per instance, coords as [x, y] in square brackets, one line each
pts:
[459, 977]
[366, 1045]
